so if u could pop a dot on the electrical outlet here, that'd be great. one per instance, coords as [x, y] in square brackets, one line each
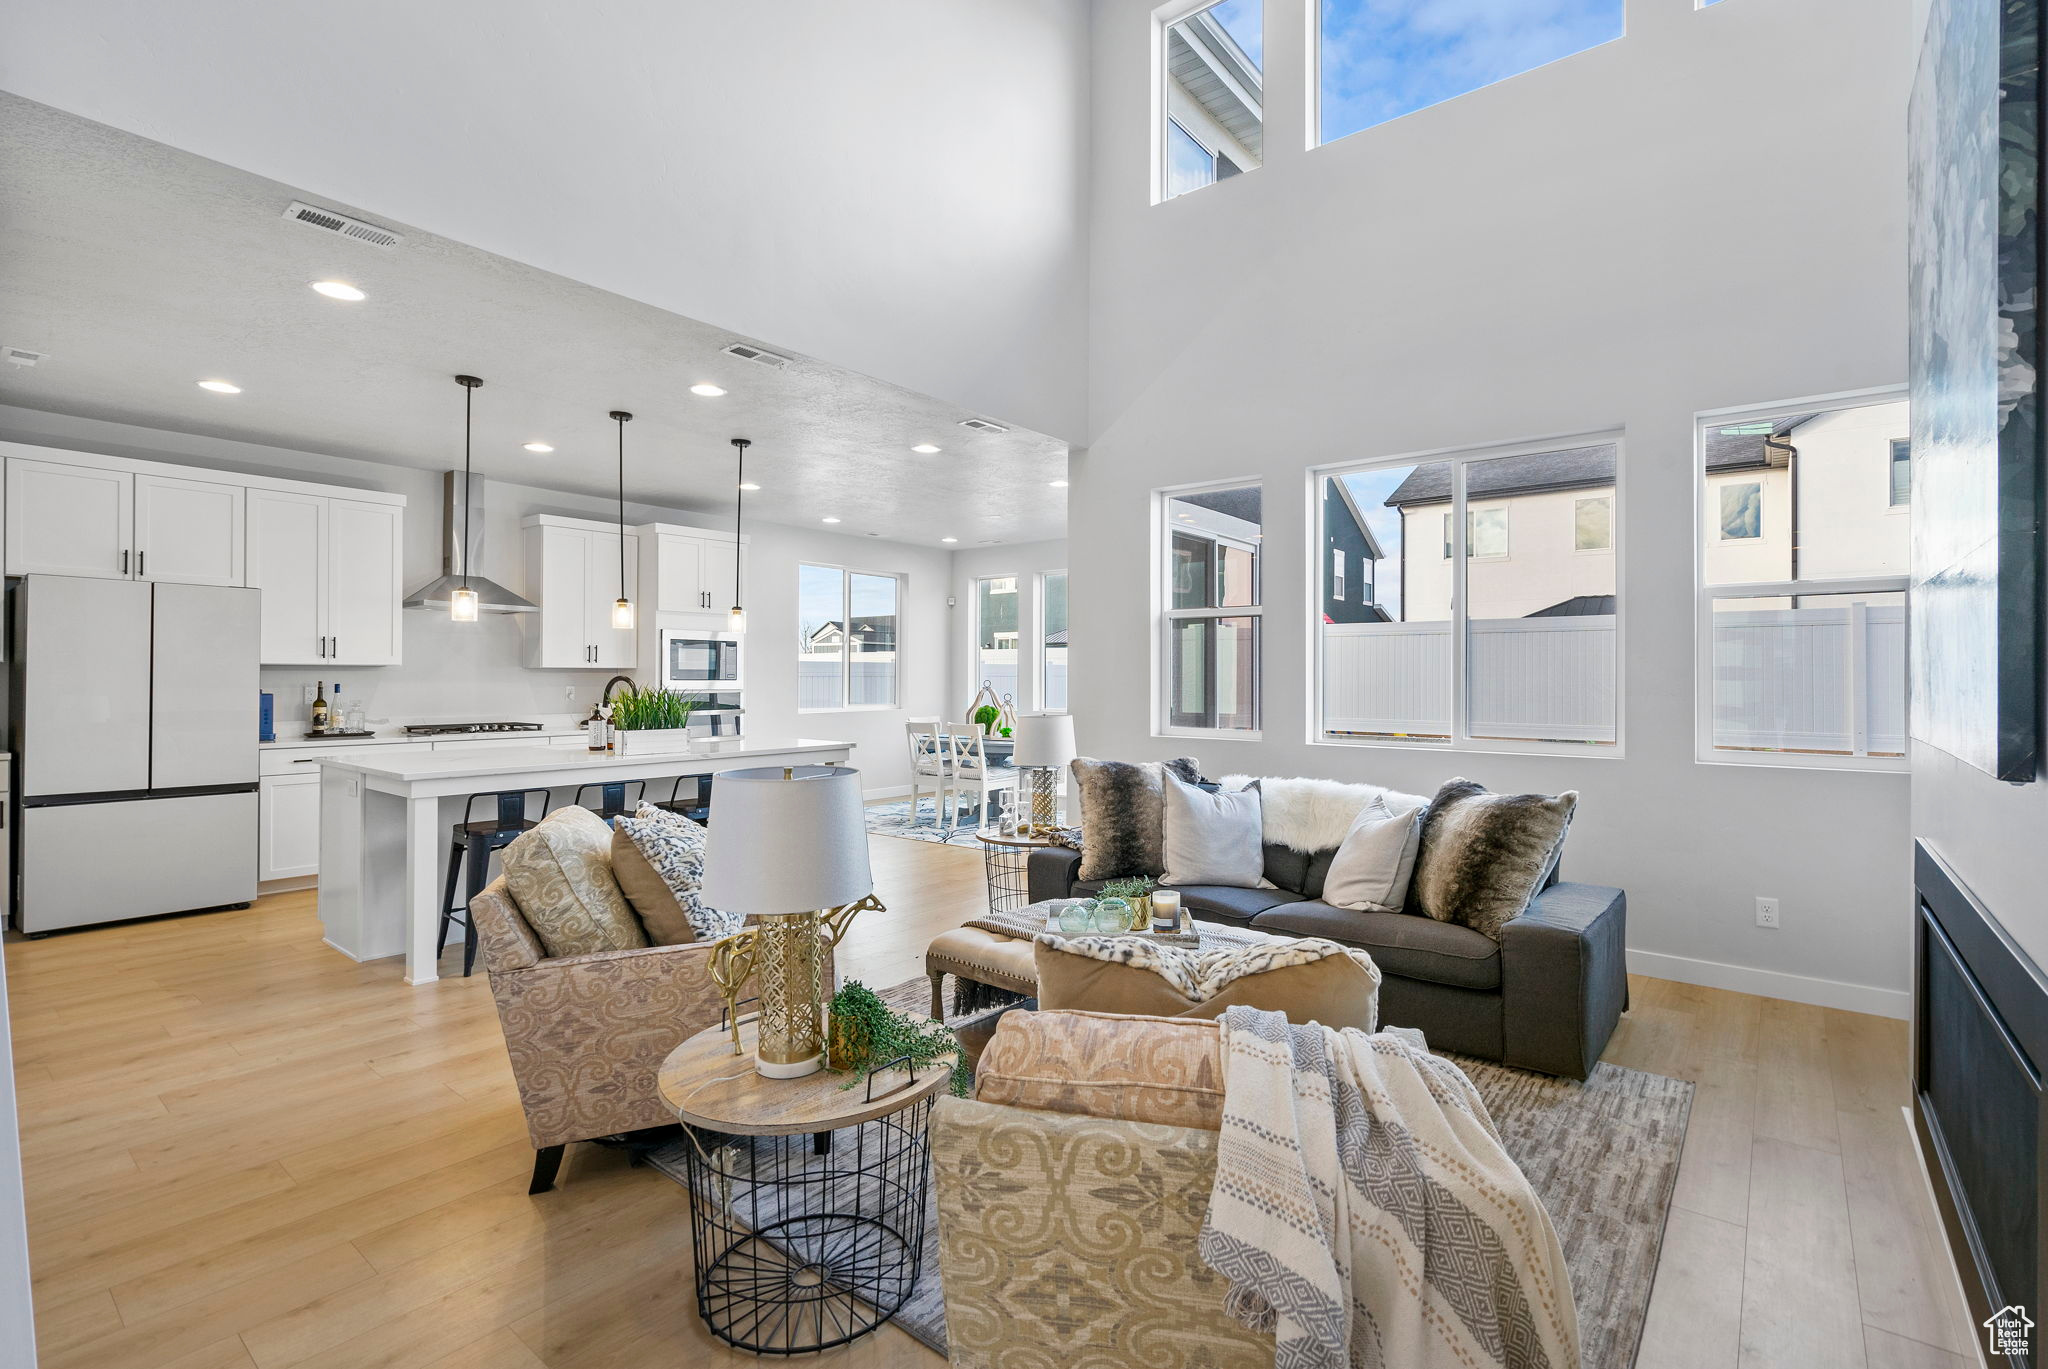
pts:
[1767, 912]
[569, 693]
[311, 692]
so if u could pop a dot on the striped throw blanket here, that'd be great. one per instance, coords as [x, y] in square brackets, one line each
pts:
[1365, 1212]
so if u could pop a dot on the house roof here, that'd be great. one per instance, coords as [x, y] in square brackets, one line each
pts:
[1570, 469]
[1372, 543]
[1729, 448]
[1241, 503]
[1578, 606]
[1056, 638]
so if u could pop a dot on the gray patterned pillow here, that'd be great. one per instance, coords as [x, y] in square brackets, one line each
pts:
[674, 846]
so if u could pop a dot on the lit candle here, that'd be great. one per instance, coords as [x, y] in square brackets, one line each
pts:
[1165, 910]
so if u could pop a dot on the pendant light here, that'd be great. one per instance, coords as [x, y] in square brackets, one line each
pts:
[462, 599]
[737, 620]
[622, 607]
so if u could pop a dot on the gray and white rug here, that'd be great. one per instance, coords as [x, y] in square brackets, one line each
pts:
[894, 819]
[1602, 1154]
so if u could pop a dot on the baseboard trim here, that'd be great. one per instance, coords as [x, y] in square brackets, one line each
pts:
[329, 941]
[892, 791]
[1796, 988]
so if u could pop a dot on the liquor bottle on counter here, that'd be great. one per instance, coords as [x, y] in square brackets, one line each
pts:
[320, 713]
[596, 729]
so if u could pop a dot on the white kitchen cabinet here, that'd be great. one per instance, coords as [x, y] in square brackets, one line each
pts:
[679, 574]
[69, 520]
[288, 825]
[329, 570]
[188, 532]
[692, 570]
[574, 566]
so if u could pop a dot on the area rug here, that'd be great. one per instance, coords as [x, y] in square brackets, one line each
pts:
[1602, 1155]
[894, 819]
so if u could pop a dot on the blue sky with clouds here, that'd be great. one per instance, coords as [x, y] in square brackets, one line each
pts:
[1385, 58]
[1243, 20]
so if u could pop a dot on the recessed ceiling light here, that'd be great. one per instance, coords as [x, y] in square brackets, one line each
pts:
[706, 389]
[1058, 484]
[539, 447]
[828, 520]
[750, 487]
[338, 289]
[925, 449]
[949, 539]
[220, 387]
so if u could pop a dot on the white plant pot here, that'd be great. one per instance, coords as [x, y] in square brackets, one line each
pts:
[656, 741]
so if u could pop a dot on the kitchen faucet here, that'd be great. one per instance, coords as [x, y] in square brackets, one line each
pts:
[606, 700]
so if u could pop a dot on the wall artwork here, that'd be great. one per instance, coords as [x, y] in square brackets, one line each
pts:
[1974, 182]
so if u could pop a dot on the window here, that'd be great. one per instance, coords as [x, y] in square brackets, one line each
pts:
[1593, 524]
[1052, 599]
[995, 634]
[847, 623]
[1337, 574]
[1211, 616]
[1381, 60]
[1802, 575]
[1533, 626]
[1742, 511]
[1902, 473]
[1212, 125]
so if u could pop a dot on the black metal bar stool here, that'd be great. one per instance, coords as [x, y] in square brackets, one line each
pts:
[696, 805]
[615, 796]
[479, 839]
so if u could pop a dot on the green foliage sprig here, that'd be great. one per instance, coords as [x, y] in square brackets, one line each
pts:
[877, 1034]
[1130, 888]
[988, 715]
[645, 710]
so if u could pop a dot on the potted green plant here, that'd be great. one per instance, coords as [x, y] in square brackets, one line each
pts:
[862, 1033]
[1135, 890]
[652, 722]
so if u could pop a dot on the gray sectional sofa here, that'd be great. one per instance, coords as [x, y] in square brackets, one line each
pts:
[1545, 997]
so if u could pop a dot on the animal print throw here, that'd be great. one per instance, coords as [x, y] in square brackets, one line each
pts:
[1365, 1212]
[1198, 975]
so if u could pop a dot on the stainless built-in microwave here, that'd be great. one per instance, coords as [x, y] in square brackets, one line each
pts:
[696, 661]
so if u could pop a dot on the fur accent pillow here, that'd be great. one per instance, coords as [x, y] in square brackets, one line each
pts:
[1310, 815]
[1484, 856]
[1212, 838]
[1123, 808]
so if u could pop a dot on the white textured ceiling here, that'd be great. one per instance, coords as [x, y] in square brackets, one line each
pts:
[141, 270]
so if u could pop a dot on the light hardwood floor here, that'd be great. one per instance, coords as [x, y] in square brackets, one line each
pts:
[244, 1152]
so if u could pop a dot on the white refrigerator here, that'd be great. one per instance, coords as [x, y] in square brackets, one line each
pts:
[134, 711]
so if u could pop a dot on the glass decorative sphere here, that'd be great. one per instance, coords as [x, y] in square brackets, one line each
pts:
[1112, 916]
[1077, 916]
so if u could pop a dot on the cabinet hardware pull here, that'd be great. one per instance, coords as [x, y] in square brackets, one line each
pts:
[141, 557]
[124, 560]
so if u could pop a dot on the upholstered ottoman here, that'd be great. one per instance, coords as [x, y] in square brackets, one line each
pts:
[978, 960]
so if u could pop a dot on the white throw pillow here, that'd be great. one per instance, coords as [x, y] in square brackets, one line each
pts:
[1371, 870]
[1212, 838]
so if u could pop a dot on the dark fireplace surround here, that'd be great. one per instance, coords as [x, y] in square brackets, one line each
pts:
[1980, 1039]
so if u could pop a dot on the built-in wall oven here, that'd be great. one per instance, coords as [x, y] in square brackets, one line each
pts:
[696, 662]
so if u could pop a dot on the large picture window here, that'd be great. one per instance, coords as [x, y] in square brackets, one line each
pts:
[996, 634]
[1212, 124]
[1804, 547]
[847, 638]
[1211, 615]
[1509, 641]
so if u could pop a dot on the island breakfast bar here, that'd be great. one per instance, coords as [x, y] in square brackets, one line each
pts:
[384, 825]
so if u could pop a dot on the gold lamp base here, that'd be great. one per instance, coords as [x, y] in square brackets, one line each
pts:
[787, 953]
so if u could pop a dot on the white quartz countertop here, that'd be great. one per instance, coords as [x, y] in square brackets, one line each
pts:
[497, 762]
[393, 736]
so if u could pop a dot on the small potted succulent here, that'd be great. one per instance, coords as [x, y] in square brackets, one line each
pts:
[1135, 890]
[652, 722]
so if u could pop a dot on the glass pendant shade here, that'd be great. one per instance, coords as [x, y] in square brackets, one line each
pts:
[736, 621]
[622, 613]
[462, 605]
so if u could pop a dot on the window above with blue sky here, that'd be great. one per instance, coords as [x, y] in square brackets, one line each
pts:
[1382, 59]
[1215, 98]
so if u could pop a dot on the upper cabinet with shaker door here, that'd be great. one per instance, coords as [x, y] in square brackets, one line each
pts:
[188, 531]
[692, 571]
[122, 524]
[330, 573]
[573, 569]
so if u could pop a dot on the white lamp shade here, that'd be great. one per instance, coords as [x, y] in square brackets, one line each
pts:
[794, 845]
[1044, 740]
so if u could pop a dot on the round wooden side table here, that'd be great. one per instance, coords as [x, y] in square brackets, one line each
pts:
[808, 1199]
[1006, 859]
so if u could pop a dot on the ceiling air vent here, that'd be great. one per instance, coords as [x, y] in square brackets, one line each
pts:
[329, 221]
[22, 356]
[982, 425]
[756, 354]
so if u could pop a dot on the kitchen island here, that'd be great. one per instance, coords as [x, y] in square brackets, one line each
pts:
[385, 824]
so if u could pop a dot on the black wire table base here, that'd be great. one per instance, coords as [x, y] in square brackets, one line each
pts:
[807, 1242]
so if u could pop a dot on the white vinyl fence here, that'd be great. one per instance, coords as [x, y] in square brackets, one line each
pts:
[1794, 679]
[870, 684]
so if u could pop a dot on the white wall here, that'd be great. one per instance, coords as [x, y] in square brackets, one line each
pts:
[893, 188]
[1619, 240]
[471, 671]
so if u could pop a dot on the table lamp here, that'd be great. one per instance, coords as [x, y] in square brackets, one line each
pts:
[789, 848]
[1045, 746]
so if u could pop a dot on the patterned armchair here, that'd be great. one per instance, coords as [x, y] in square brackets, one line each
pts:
[587, 1033]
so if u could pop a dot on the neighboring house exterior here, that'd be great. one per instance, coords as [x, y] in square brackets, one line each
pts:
[1214, 105]
[869, 635]
[1351, 557]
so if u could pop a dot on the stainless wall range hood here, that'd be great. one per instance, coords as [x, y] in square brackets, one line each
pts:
[492, 597]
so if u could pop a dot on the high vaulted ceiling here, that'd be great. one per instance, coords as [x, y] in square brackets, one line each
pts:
[141, 270]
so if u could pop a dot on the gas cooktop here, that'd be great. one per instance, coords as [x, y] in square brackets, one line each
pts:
[441, 729]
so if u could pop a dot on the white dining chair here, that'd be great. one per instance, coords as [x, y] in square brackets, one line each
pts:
[972, 773]
[930, 766]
